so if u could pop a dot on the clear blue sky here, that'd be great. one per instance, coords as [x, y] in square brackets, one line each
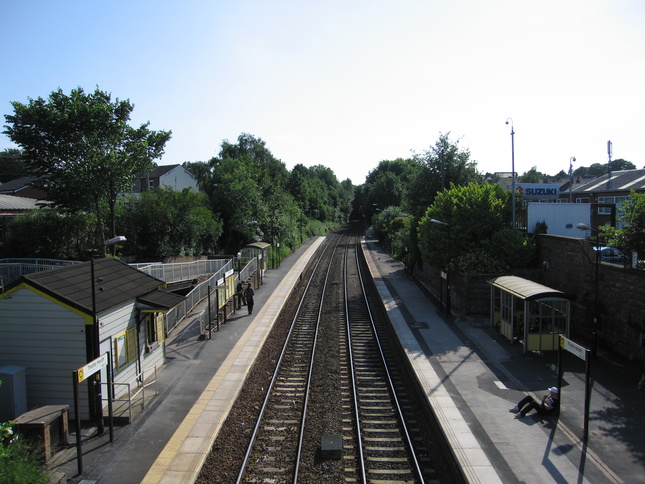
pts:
[346, 84]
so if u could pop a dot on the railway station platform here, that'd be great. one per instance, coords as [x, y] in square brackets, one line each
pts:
[471, 376]
[168, 441]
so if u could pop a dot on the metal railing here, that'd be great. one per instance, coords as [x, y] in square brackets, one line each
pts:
[198, 294]
[182, 271]
[12, 269]
[134, 390]
[202, 317]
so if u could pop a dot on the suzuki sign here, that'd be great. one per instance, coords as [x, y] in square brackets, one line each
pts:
[538, 191]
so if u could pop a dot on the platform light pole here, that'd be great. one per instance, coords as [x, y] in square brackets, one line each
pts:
[571, 160]
[510, 121]
[594, 332]
[435, 221]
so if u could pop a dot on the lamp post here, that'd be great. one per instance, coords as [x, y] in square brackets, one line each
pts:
[571, 160]
[435, 221]
[96, 340]
[594, 335]
[510, 121]
[275, 238]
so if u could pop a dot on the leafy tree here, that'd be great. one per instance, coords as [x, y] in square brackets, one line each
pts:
[12, 165]
[439, 167]
[532, 176]
[50, 234]
[392, 227]
[164, 223]
[599, 169]
[82, 146]
[631, 237]
[246, 185]
[474, 232]
[620, 164]
[385, 185]
[199, 169]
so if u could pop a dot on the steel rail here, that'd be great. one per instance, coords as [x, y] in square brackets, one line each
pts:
[292, 330]
[401, 418]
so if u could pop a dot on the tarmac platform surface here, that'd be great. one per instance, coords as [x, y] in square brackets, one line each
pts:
[471, 375]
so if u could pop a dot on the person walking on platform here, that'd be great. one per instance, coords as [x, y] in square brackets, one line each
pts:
[249, 293]
[549, 404]
[240, 295]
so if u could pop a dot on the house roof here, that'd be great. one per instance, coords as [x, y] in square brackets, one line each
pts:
[13, 203]
[17, 184]
[116, 283]
[620, 181]
[161, 170]
[525, 289]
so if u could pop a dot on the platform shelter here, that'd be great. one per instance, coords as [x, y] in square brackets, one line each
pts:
[259, 250]
[529, 313]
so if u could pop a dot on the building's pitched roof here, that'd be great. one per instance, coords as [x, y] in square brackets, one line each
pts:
[160, 170]
[13, 203]
[17, 184]
[620, 181]
[115, 283]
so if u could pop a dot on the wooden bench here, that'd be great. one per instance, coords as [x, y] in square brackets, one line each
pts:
[46, 427]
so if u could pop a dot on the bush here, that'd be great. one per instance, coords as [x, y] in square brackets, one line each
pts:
[19, 465]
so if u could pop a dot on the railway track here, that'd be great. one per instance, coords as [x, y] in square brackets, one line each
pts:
[340, 405]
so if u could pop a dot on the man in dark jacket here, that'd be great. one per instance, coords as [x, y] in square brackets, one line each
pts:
[249, 293]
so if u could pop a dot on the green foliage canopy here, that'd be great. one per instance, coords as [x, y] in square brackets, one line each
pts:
[631, 237]
[474, 233]
[165, 223]
[85, 150]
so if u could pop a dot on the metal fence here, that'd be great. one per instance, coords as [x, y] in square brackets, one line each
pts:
[12, 269]
[182, 271]
[177, 314]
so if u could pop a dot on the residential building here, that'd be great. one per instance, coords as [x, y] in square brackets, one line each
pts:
[23, 187]
[173, 176]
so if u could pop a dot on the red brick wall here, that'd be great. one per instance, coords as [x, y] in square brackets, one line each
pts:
[621, 296]
[568, 265]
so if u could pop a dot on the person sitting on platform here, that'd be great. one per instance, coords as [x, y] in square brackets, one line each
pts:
[549, 405]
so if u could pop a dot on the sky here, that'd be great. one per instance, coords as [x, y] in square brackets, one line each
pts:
[349, 83]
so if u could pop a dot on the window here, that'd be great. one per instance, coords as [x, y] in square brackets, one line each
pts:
[125, 348]
[155, 329]
[618, 201]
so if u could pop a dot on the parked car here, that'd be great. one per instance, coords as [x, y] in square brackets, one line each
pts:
[611, 254]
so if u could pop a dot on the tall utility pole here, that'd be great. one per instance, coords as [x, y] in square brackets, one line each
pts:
[510, 121]
[609, 148]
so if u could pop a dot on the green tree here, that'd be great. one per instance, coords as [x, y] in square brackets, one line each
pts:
[631, 237]
[392, 227]
[474, 234]
[439, 167]
[12, 165]
[532, 176]
[84, 149]
[164, 223]
[620, 164]
[246, 185]
[385, 185]
[50, 234]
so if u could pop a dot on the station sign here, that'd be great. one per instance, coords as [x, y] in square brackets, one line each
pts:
[92, 367]
[574, 348]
